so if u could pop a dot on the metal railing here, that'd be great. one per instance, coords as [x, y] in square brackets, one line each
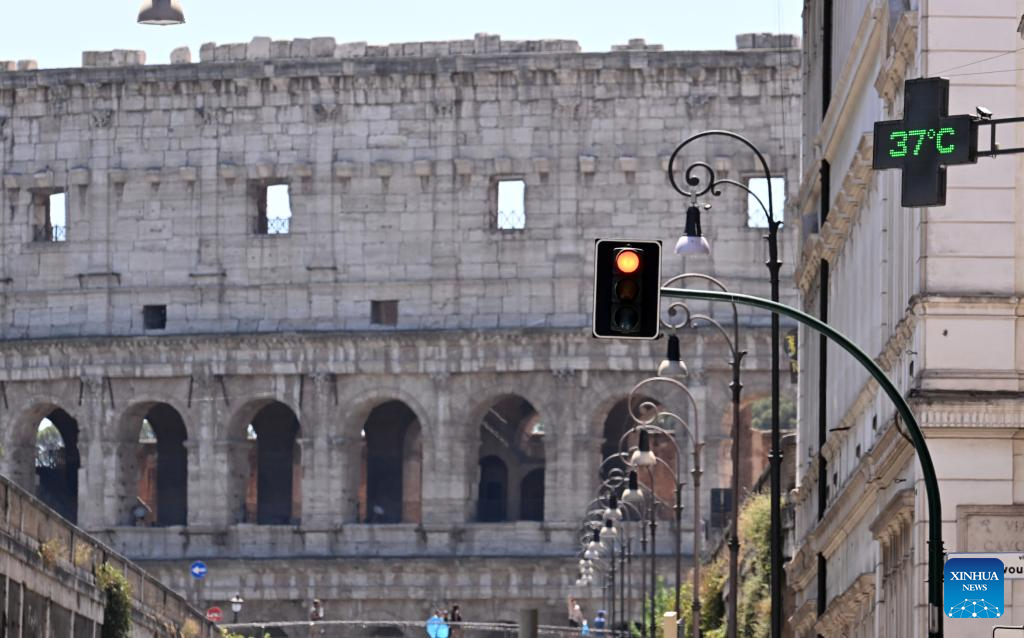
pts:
[278, 225]
[514, 219]
[395, 629]
[48, 233]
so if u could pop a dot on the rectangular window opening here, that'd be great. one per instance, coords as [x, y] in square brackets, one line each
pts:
[384, 313]
[510, 211]
[273, 209]
[154, 317]
[49, 216]
[756, 216]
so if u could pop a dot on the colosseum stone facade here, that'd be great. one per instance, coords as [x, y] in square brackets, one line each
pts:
[319, 314]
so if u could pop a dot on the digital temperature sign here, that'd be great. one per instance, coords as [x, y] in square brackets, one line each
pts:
[925, 141]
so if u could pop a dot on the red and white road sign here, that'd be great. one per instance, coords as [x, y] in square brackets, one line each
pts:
[214, 614]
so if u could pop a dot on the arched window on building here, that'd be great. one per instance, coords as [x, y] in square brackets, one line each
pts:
[163, 467]
[57, 463]
[493, 502]
[511, 462]
[390, 486]
[274, 490]
[531, 496]
[616, 424]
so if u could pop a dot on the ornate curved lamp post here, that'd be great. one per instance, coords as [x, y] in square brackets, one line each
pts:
[689, 319]
[690, 244]
[606, 511]
[647, 415]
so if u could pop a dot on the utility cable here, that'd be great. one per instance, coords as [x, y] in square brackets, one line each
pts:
[991, 57]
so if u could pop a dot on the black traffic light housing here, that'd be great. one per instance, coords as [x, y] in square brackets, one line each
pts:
[627, 289]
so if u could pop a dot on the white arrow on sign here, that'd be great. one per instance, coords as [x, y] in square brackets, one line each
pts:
[198, 569]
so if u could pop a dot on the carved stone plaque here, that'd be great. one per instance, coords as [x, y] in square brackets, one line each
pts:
[990, 528]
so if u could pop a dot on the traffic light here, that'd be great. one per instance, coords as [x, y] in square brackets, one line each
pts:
[627, 289]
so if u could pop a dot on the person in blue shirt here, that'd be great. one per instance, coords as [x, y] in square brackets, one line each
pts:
[600, 621]
[444, 630]
[434, 625]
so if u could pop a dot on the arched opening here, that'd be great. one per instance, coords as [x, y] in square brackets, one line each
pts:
[511, 462]
[616, 424]
[57, 463]
[493, 502]
[273, 492]
[162, 467]
[531, 496]
[390, 483]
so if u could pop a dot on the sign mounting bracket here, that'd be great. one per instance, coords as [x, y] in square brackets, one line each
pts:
[993, 146]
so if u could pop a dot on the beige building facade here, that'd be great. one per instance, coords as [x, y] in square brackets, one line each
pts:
[319, 314]
[933, 294]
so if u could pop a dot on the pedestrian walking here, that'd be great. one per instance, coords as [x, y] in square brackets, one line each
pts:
[456, 621]
[316, 612]
[444, 630]
[600, 622]
[575, 613]
[434, 624]
[584, 630]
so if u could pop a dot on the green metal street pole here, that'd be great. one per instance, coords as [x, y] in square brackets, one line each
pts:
[931, 483]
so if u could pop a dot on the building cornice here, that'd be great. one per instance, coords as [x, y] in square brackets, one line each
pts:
[897, 512]
[802, 620]
[847, 608]
[828, 243]
[902, 51]
[835, 122]
[392, 352]
[969, 411]
[852, 79]
[878, 469]
[895, 346]
[966, 305]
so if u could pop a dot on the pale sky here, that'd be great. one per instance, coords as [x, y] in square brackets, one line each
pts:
[56, 33]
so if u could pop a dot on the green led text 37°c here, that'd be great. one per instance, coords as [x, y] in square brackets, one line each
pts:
[910, 142]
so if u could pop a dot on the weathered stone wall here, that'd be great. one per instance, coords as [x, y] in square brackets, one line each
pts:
[391, 155]
[391, 163]
[48, 587]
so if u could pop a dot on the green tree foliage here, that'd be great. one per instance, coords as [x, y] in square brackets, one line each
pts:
[49, 446]
[117, 615]
[761, 414]
[755, 569]
[225, 633]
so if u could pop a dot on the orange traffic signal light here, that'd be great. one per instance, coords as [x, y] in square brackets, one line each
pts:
[627, 261]
[627, 289]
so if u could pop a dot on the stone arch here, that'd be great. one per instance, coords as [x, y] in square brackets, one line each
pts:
[266, 479]
[153, 465]
[390, 465]
[617, 423]
[512, 432]
[19, 430]
[57, 459]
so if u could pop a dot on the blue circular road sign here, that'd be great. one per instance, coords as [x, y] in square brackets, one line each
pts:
[198, 569]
